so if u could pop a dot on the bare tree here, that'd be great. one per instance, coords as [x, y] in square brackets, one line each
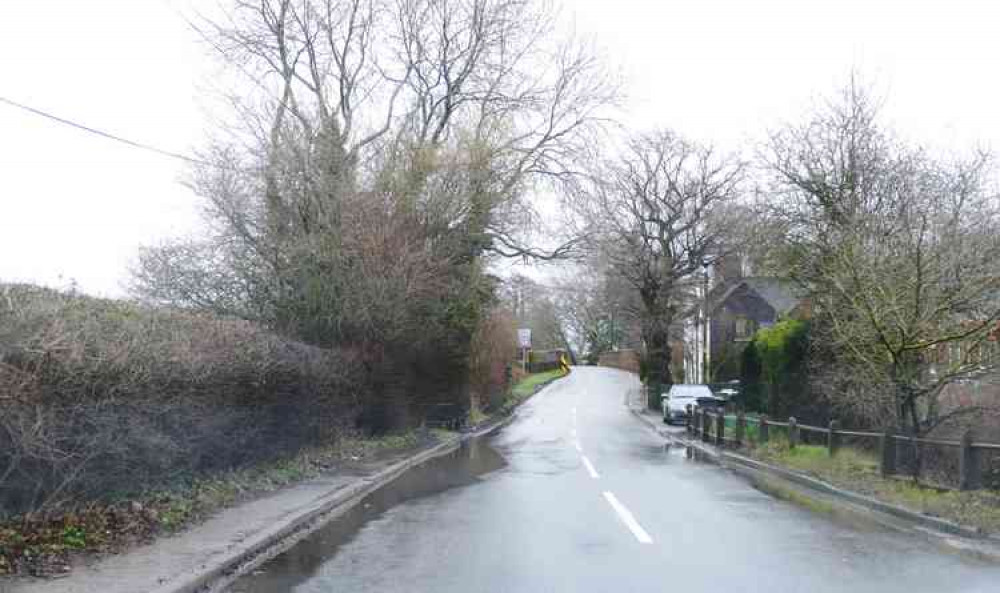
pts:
[450, 111]
[384, 151]
[900, 255]
[657, 211]
[487, 84]
[534, 306]
[598, 309]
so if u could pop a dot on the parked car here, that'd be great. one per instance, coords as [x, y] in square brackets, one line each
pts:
[676, 401]
[728, 393]
[712, 403]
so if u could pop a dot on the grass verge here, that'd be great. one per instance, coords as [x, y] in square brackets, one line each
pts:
[528, 386]
[532, 383]
[49, 545]
[857, 471]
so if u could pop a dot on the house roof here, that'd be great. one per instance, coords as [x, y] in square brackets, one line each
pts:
[781, 294]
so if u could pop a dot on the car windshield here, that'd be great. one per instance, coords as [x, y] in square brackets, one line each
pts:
[690, 391]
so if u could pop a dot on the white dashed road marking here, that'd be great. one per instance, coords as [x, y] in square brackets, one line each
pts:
[627, 518]
[590, 467]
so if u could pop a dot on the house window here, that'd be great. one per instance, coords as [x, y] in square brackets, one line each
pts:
[954, 354]
[744, 328]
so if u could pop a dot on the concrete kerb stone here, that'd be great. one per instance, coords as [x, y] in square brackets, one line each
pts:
[752, 468]
[284, 534]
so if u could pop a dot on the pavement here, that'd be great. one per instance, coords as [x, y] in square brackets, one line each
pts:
[576, 494]
[187, 560]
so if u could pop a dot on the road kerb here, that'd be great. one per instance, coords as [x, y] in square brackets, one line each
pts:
[940, 528]
[253, 551]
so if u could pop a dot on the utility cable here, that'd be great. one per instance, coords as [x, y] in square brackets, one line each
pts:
[107, 135]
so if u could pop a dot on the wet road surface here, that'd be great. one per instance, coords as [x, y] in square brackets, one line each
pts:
[576, 495]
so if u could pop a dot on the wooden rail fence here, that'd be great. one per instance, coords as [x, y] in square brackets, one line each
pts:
[711, 427]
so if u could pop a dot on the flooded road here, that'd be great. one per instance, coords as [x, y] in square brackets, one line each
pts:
[575, 495]
[459, 468]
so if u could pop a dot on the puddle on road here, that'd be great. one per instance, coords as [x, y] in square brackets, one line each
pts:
[462, 467]
[696, 454]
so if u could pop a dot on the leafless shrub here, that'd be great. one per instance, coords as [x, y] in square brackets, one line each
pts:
[494, 346]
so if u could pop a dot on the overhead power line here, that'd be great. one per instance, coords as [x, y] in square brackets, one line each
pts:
[108, 135]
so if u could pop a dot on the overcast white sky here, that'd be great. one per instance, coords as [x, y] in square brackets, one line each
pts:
[76, 207]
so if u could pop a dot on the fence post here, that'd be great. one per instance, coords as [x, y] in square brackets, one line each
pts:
[741, 429]
[969, 469]
[832, 439]
[690, 419]
[762, 429]
[720, 429]
[793, 433]
[887, 452]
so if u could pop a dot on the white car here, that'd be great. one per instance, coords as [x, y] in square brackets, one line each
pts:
[680, 396]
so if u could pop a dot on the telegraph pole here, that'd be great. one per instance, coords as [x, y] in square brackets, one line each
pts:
[706, 352]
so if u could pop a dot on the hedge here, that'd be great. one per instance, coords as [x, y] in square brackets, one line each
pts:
[99, 398]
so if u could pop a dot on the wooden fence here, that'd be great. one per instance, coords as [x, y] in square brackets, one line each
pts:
[967, 464]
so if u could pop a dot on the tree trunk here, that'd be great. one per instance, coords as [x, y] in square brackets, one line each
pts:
[907, 416]
[658, 377]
